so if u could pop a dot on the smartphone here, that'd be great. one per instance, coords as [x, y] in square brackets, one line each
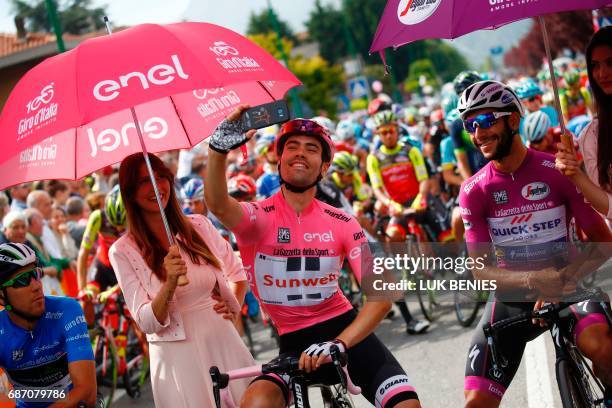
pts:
[265, 115]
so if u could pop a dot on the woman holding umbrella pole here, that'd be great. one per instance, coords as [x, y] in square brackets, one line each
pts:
[595, 142]
[188, 322]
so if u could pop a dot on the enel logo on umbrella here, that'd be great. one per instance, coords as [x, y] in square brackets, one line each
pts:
[109, 140]
[160, 74]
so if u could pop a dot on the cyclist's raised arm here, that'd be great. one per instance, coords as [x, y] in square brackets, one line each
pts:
[219, 202]
[224, 207]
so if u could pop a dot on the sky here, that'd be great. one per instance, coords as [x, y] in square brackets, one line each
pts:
[234, 14]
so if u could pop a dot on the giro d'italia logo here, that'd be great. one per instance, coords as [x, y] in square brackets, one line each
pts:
[412, 12]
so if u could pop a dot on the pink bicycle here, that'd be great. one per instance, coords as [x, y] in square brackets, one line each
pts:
[334, 396]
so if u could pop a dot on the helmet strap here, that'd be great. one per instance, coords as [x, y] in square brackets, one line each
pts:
[9, 308]
[297, 189]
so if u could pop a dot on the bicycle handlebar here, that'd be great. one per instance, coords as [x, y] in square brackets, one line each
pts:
[547, 312]
[281, 365]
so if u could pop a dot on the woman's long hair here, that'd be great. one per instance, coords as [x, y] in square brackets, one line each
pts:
[153, 253]
[603, 106]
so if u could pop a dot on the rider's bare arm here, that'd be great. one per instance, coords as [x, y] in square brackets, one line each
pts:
[224, 207]
[219, 202]
[463, 164]
[82, 267]
[83, 376]
[451, 178]
[367, 320]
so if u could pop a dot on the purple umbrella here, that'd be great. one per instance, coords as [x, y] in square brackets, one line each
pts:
[405, 21]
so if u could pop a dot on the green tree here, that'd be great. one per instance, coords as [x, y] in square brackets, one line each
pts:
[322, 82]
[418, 69]
[325, 26]
[447, 61]
[269, 42]
[76, 16]
[262, 23]
[363, 17]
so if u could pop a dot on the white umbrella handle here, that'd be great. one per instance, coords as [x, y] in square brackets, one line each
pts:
[564, 136]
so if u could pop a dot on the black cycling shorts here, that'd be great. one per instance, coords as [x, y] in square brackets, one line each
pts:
[104, 276]
[479, 372]
[371, 365]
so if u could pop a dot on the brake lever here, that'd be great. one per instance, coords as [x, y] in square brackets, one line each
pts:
[335, 355]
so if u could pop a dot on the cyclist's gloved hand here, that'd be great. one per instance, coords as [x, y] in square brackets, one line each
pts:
[324, 348]
[86, 294]
[229, 134]
[395, 209]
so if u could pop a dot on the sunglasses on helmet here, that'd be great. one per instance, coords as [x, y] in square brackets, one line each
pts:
[483, 121]
[23, 279]
[303, 126]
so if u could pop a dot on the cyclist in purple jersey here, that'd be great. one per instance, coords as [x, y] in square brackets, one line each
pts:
[520, 204]
[293, 246]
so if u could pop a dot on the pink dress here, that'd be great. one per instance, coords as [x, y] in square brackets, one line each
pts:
[180, 369]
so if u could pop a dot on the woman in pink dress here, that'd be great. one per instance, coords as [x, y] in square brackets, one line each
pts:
[185, 297]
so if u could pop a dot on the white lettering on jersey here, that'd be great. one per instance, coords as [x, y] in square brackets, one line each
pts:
[296, 281]
[536, 227]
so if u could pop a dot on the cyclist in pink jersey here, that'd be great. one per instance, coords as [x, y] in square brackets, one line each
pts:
[293, 246]
[520, 204]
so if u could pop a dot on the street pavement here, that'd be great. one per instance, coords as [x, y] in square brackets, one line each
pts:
[435, 364]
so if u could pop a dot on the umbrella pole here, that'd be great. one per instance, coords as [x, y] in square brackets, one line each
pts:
[564, 136]
[182, 279]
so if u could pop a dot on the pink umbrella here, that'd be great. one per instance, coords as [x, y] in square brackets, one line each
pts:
[149, 88]
[405, 21]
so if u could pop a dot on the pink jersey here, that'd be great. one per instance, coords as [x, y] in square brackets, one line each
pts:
[293, 260]
[524, 213]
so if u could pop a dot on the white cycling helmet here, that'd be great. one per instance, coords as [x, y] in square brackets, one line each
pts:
[345, 130]
[325, 122]
[536, 126]
[14, 256]
[488, 95]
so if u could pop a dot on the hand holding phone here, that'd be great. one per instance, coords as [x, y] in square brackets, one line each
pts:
[265, 115]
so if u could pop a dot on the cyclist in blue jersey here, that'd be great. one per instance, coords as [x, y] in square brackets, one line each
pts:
[45, 351]
[530, 94]
[469, 158]
[269, 182]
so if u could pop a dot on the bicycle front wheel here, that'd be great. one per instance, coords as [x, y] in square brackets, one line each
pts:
[105, 354]
[137, 364]
[571, 387]
[466, 307]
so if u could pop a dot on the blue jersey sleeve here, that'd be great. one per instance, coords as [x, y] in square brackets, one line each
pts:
[78, 345]
[456, 130]
[447, 156]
